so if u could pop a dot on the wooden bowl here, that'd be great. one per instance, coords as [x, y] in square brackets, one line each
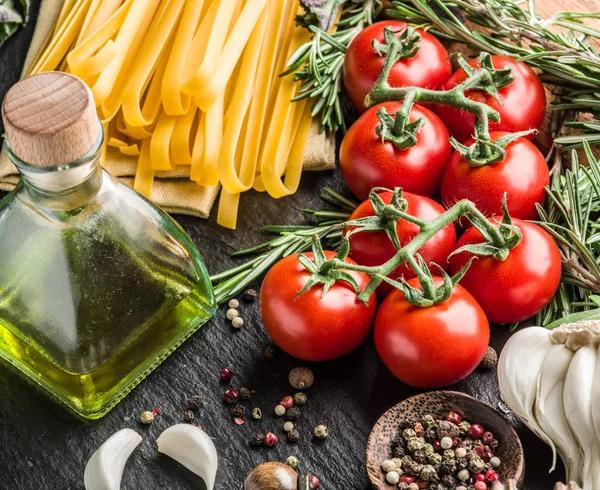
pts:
[438, 404]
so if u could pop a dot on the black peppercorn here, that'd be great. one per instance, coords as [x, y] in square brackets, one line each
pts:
[419, 457]
[239, 411]
[461, 463]
[245, 393]
[249, 295]
[447, 429]
[399, 452]
[494, 443]
[293, 435]
[430, 435]
[195, 403]
[293, 413]
[189, 417]
[411, 467]
[449, 481]
[270, 352]
[447, 467]
[257, 439]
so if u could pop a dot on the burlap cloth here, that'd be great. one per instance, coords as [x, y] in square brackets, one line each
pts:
[173, 191]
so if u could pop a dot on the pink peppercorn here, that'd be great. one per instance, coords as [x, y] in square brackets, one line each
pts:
[421, 483]
[487, 452]
[491, 475]
[480, 477]
[270, 439]
[287, 402]
[480, 485]
[475, 431]
[487, 437]
[436, 445]
[226, 374]
[407, 479]
[231, 395]
[457, 441]
[453, 417]
[314, 481]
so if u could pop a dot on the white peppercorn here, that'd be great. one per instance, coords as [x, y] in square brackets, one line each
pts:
[388, 465]
[460, 452]
[233, 303]
[321, 431]
[495, 461]
[288, 426]
[392, 477]
[463, 475]
[280, 410]
[146, 417]
[446, 443]
[237, 322]
[232, 313]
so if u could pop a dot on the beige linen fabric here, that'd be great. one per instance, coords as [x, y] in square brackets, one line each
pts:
[173, 191]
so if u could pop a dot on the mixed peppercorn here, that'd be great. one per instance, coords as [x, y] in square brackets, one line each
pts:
[442, 455]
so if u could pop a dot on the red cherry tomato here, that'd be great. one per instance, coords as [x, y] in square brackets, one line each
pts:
[367, 162]
[313, 326]
[375, 248]
[435, 346]
[522, 103]
[430, 67]
[523, 174]
[517, 288]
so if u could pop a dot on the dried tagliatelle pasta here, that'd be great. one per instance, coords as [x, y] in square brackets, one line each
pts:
[191, 86]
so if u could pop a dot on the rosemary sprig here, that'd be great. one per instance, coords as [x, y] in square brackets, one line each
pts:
[318, 64]
[292, 239]
[572, 217]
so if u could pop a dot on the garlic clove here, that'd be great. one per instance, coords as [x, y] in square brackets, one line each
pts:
[554, 423]
[518, 370]
[549, 410]
[577, 399]
[105, 468]
[190, 446]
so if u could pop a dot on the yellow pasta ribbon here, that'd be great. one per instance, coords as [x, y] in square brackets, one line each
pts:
[200, 77]
[281, 123]
[182, 135]
[161, 142]
[198, 149]
[213, 132]
[228, 173]
[232, 51]
[158, 34]
[65, 36]
[174, 102]
[144, 173]
[127, 42]
[81, 60]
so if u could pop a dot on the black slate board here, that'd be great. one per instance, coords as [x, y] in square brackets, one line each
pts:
[43, 447]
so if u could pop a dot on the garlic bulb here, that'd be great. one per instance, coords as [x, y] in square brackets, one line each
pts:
[191, 446]
[551, 379]
[518, 370]
[104, 470]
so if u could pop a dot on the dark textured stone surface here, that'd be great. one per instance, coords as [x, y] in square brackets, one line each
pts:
[45, 448]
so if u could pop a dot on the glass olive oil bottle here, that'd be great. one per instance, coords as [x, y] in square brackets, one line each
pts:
[97, 284]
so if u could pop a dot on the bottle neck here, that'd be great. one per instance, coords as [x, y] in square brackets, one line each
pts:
[64, 187]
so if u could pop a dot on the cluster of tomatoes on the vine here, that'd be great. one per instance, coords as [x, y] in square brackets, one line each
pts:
[438, 345]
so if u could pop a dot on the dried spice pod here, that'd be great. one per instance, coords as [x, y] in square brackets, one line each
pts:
[569, 486]
[272, 476]
[301, 378]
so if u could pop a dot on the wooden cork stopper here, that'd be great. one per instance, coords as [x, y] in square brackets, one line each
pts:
[50, 119]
